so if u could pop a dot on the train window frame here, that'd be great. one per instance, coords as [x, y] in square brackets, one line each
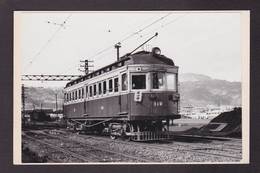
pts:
[86, 91]
[94, 90]
[99, 88]
[104, 85]
[110, 90]
[116, 88]
[139, 74]
[164, 81]
[175, 80]
[91, 91]
[79, 93]
[124, 89]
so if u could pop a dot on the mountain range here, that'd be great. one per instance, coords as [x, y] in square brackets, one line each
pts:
[202, 90]
[195, 90]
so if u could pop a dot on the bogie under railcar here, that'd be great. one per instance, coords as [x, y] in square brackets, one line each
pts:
[135, 97]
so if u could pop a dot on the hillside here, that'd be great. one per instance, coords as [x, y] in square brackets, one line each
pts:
[195, 89]
[201, 90]
[35, 96]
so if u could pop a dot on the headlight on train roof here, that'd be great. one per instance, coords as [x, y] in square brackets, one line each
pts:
[156, 51]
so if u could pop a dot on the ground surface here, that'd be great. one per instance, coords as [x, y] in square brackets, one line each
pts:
[62, 146]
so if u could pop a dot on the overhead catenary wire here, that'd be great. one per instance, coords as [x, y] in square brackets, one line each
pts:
[131, 35]
[155, 30]
[166, 24]
[124, 39]
[47, 43]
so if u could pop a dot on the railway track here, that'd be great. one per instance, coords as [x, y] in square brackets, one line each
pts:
[59, 149]
[216, 150]
[172, 147]
[99, 151]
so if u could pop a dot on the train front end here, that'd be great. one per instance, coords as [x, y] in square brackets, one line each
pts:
[153, 96]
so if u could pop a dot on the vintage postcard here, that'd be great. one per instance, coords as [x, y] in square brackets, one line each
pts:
[131, 87]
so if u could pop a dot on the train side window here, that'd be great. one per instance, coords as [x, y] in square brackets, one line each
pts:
[82, 92]
[124, 82]
[86, 91]
[115, 84]
[76, 95]
[104, 87]
[69, 96]
[99, 88]
[158, 80]
[110, 85]
[79, 92]
[73, 95]
[90, 91]
[95, 89]
[139, 81]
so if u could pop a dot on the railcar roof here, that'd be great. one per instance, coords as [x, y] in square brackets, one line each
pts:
[141, 57]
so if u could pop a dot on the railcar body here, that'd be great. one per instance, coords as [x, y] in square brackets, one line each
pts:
[136, 96]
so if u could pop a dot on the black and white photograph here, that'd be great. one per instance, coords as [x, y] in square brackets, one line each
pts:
[131, 87]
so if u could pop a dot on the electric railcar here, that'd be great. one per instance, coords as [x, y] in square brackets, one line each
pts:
[136, 97]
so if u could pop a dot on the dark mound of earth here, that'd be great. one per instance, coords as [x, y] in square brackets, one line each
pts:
[226, 124]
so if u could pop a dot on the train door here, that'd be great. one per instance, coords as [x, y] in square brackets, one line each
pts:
[123, 95]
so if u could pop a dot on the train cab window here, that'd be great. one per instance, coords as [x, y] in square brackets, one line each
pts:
[158, 80]
[124, 82]
[110, 85]
[104, 87]
[90, 91]
[99, 88]
[171, 81]
[139, 81]
[95, 90]
[116, 85]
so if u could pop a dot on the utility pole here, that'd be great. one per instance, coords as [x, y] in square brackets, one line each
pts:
[117, 46]
[86, 65]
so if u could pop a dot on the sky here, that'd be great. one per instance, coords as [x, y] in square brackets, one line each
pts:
[205, 43]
